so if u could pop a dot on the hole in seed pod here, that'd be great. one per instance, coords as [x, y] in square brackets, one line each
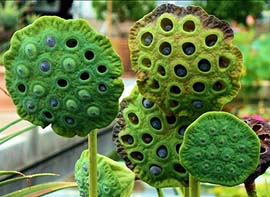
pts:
[156, 123]
[218, 86]
[161, 70]
[127, 139]
[223, 62]
[137, 155]
[177, 148]
[198, 87]
[84, 76]
[165, 48]
[180, 70]
[89, 55]
[48, 115]
[263, 137]
[155, 84]
[21, 88]
[54, 102]
[69, 120]
[44, 66]
[162, 152]
[147, 138]
[62, 83]
[189, 26]
[256, 127]
[133, 118]
[175, 90]
[181, 130]
[71, 43]
[262, 150]
[173, 103]
[30, 105]
[147, 38]
[204, 65]
[146, 62]
[166, 24]
[147, 103]
[102, 69]
[50, 41]
[171, 119]
[188, 48]
[179, 168]
[211, 40]
[155, 170]
[197, 104]
[102, 87]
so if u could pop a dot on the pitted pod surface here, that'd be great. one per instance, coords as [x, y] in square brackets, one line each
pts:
[63, 73]
[184, 60]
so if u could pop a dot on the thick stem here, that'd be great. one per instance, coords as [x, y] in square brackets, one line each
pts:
[251, 189]
[194, 187]
[10, 124]
[160, 192]
[92, 148]
[186, 191]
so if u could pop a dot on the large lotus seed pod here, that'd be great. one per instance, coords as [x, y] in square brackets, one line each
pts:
[62, 72]
[114, 179]
[149, 141]
[184, 60]
[219, 148]
[262, 130]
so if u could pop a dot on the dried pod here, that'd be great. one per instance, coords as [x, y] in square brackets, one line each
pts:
[184, 60]
[219, 148]
[63, 73]
[114, 179]
[148, 140]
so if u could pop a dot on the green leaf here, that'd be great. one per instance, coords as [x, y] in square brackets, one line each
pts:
[41, 189]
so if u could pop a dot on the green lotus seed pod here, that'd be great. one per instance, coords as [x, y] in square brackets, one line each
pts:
[114, 179]
[184, 60]
[219, 148]
[54, 75]
[149, 141]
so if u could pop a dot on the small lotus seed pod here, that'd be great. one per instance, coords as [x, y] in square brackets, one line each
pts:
[149, 141]
[184, 60]
[219, 148]
[114, 179]
[51, 75]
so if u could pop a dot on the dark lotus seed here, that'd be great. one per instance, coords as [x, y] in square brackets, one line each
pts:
[50, 41]
[127, 139]
[148, 39]
[102, 87]
[166, 50]
[182, 130]
[54, 102]
[197, 104]
[204, 65]
[30, 105]
[180, 70]
[147, 138]
[211, 40]
[147, 103]
[69, 120]
[162, 152]
[137, 155]
[44, 66]
[168, 27]
[156, 123]
[155, 170]
[188, 48]
[198, 87]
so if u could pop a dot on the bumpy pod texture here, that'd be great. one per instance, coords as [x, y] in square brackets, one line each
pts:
[149, 141]
[219, 148]
[62, 72]
[114, 179]
[184, 60]
[262, 130]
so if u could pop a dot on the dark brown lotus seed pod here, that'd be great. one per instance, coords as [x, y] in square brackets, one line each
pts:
[148, 140]
[219, 148]
[184, 60]
[63, 73]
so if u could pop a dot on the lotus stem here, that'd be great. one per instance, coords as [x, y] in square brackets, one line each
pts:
[186, 191]
[194, 187]
[160, 192]
[92, 148]
[251, 189]
[10, 124]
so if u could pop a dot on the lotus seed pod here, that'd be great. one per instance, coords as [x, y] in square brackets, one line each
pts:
[114, 179]
[148, 140]
[219, 148]
[184, 60]
[63, 73]
[262, 130]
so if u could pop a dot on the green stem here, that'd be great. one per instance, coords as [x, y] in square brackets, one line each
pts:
[92, 148]
[186, 191]
[160, 192]
[10, 124]
[194, 187]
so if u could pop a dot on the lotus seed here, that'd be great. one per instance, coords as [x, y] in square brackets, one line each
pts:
[197, 104]
[155, 170]
[53, 102]
[147, 103]
[180, 70]
[162, 152]
[156, 123]
[44, 66]
[50, 41]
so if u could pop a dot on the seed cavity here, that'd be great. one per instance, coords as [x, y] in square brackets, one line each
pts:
[137, 155]
[155, 170]
[71, 43]
[198, 87]
[127, 139]
[156, 123]
[89, 55]
[180, 70]
[211, 40]
[165, 48]
[188, 48]
[133, 118]
[166, 24]
[147, 138]
[147, 103]
[204, 65]
[50, 41]
[189, 26]
[147, 38]
[162, 151]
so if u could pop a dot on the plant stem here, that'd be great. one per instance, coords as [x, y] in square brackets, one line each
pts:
[10, 124]
[186, 191]
[251, 189]
[160, 192]
[194, 187]
[92, 167]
